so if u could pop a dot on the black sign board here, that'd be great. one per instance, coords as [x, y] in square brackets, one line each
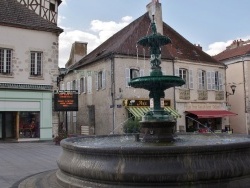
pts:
[141, 102]
[66, 100]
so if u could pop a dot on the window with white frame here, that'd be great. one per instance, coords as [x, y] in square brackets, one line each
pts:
[187, 76]
[5, 60]
[183, 73]
[36, 64]
[214, 80]
[100, 80]
[83, 85]
[202, 80]
[131, 73]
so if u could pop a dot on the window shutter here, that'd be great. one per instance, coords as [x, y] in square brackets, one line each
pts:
[213, 79]
[176, 72]
[96, 81]
[84, 85]
[191, 79]
[209, 81]
[89, 84]
[220, 82]
[127, 76]
[68, 86]
[141, 72]
[103, 79]
[79, 86]
[62, 86]
[199, 79]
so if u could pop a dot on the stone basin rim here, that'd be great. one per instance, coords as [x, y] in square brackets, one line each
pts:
[71, 144]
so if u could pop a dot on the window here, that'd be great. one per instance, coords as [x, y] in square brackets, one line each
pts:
[36, 64]
[74, 85]
[5, 61]
[52, 7]
[133, 73]
[186, 75]
[202, 79]
[214, 81]
[100, 80]
[83, 85]
[183, 73]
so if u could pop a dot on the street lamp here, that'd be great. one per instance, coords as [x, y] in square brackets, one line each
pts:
[233, 90]
[228, 93]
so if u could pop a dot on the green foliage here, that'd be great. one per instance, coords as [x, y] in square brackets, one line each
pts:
[131, 126]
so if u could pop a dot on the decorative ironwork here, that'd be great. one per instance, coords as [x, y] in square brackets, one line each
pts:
[202, 95]
[184, 94]
[219, 95]
[25, 86]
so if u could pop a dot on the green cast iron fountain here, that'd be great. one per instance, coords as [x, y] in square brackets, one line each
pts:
[157, 125]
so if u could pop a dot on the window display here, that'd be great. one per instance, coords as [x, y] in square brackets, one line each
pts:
[29, 125]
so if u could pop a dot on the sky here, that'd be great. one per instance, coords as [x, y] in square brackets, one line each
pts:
[213, 24]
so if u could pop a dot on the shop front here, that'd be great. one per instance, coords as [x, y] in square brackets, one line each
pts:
[139, 107]
[207, 120]
[25, 115]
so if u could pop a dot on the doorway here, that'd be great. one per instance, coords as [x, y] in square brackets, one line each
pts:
[7, 125]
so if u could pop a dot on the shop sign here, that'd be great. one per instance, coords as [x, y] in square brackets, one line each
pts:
[66, 100]
[142, 102]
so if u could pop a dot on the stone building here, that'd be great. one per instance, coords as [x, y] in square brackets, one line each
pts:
[28, 69]
[106, 102]
[236, 57]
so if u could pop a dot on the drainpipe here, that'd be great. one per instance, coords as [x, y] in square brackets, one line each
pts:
[244, 82]
[174, 87]
[113, 90]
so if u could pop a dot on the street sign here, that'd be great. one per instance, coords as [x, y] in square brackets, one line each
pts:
[66, 100]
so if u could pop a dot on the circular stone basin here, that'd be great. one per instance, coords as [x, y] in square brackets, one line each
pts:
[120, 161]
[156, 82]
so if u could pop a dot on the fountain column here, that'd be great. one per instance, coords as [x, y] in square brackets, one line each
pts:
[157, 125]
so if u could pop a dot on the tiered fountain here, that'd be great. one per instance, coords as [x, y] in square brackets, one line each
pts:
[158, 159]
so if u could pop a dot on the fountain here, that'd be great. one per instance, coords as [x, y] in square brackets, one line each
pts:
[158, 157]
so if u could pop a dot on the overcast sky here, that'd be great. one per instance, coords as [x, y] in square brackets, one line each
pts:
[213, 24]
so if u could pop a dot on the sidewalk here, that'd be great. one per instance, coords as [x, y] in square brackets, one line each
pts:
[20, 160]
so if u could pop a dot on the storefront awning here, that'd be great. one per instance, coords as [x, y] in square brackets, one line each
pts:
[141, 111]
[211, 113]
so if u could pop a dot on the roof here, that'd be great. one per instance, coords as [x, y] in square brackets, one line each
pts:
[124, 43]
[233, 53]
[14, 14]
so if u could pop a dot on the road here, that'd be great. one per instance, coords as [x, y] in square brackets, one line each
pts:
[20, 160]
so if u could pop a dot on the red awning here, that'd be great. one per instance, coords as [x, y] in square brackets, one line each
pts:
[211, 113]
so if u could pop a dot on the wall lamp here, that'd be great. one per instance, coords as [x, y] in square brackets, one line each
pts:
[233, 90]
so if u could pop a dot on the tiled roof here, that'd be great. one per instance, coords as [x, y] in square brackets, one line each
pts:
[232, 53]
[14, 14]
[124, 43]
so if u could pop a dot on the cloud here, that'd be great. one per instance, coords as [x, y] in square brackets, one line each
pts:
[217, 47]
[99, 31]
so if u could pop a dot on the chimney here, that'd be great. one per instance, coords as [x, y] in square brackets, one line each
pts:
[78, 51]
[155, 8]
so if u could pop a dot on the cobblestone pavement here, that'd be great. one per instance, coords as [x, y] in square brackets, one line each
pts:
[20, 160]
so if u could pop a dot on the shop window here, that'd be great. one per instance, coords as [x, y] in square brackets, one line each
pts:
[29, 125]
[5, 61]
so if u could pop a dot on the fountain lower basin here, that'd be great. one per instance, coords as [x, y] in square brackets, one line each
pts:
[120, 161]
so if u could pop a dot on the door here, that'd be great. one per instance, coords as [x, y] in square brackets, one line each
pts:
[7, 125]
